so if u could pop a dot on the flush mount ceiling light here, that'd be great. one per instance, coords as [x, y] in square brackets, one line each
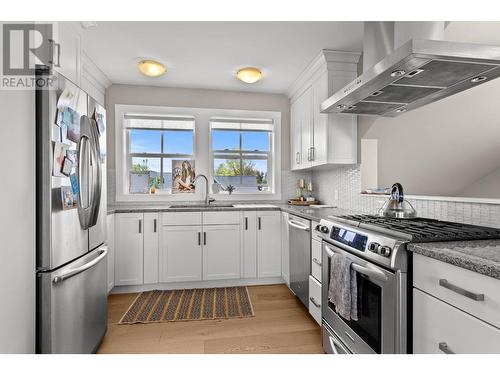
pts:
[249, 75]
[151, 68]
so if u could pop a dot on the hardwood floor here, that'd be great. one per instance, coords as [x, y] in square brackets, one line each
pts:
[281, 325]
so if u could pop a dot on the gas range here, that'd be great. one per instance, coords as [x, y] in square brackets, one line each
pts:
[376, 246]
[379, 239]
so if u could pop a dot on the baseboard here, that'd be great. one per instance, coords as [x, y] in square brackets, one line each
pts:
[196, 284]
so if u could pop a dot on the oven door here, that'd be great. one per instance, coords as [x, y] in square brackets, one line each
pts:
[375, 329]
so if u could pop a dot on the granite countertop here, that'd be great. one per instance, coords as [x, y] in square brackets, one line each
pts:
[479, 256]
[306, 212]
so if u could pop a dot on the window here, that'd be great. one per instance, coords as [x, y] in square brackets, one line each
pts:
[242, 155]
[152, 144]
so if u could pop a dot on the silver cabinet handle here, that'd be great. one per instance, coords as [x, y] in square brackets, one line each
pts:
[474, 296]
[204, 238]
[445, 349]
[73, 272]
[199, 238]
[260, 223]
[154, 225]
[313, 156]
[309, 154]
[297, 158]
[318, 305]
[140, 226]
[58, 46]
[246, 223]
[317, 262]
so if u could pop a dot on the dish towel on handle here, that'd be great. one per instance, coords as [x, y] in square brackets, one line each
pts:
[343, 290]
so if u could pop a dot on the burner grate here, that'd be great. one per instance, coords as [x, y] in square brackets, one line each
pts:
[428, 230]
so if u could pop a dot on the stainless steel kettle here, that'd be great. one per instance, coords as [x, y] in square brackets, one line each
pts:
[396, 206]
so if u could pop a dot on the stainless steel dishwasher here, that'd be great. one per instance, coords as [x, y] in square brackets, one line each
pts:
[300, 256]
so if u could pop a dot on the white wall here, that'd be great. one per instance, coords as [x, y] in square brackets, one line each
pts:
[191, 98]
[17, 222]
[447, 147]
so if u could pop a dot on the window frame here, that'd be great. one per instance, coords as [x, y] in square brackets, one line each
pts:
[228, 154]
[161, 155]
[202, 155]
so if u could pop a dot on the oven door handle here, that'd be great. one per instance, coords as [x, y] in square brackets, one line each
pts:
[367, 271]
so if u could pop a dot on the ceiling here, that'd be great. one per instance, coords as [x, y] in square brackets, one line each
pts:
[208, 54]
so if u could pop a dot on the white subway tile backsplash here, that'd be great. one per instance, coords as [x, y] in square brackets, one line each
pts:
[346, 180]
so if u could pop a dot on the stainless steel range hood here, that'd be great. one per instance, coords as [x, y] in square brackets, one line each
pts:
[417, 73]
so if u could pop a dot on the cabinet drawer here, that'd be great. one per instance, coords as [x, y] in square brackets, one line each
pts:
[315, 234]
[442, 280]
[437, 324]
[181, 218]
[316, 260]
[229, 217]
[315, 299]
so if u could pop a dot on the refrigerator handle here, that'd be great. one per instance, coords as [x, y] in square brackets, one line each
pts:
[73, 272]
[96, 173]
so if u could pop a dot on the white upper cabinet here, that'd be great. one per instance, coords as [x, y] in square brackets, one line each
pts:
[316, 138]
[67, 50]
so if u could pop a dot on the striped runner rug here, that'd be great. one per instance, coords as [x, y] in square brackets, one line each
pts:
[189, 304]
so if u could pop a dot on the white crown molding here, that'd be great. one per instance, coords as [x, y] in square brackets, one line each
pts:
[326, 60]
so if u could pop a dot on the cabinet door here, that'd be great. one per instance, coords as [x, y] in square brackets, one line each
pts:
[180, 253]
[129, 257]
[151, 228]
[295, 135]
[442, 328]
[285, 249]
[69, 54]
[221, 252]
[306, 127]
[268, 244]
[249, 244]
[319, 152]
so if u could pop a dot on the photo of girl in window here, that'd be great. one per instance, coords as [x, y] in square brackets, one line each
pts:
[183, 176]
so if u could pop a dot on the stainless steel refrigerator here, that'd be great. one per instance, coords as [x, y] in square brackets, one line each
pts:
[71, 219]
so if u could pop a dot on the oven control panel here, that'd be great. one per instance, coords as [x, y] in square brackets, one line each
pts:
[377, 248]
[369, 244]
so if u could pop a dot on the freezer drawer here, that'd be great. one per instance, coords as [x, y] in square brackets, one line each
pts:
[72, 312]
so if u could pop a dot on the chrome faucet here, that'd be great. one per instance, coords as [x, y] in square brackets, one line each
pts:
[207, 199]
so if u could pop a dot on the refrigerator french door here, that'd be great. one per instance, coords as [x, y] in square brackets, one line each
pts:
[71, 209]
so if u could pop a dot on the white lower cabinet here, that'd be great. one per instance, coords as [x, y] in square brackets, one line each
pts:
[129, 255]
[285, 249]
[221, 252]
[151, 247]
[180, 253]
[268, 244]
[249, 244]
[316, 259]
[455, 310]
[442, 328]
[315, 299]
